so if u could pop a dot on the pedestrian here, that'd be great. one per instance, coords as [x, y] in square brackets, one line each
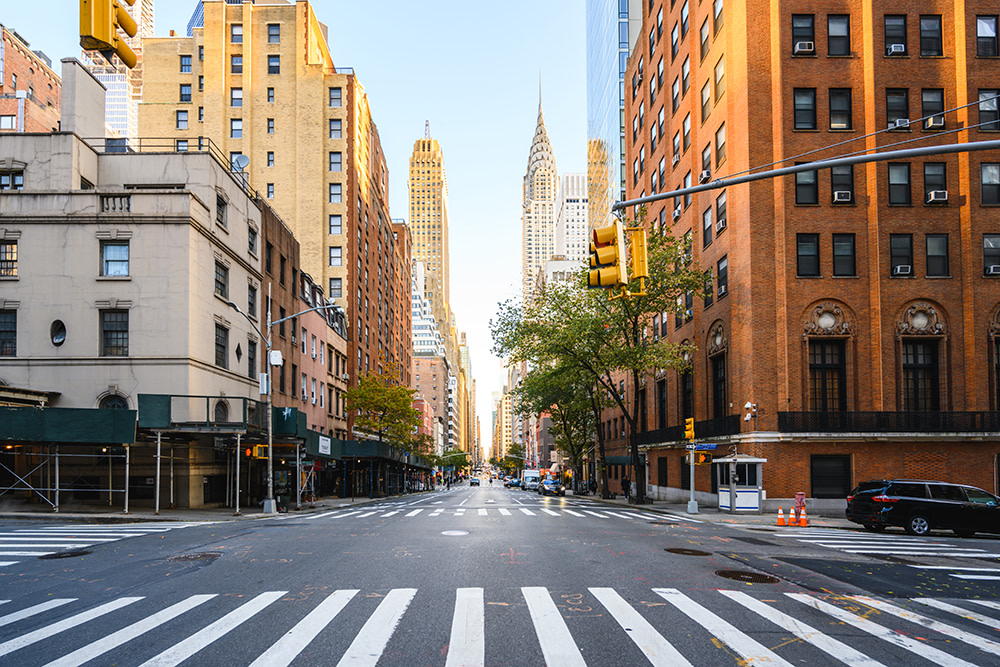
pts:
[593, 487]
[626, 488]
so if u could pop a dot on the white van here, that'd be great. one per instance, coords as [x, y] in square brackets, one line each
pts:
[529, 480]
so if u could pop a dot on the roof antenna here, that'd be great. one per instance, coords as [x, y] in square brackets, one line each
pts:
[427, 129]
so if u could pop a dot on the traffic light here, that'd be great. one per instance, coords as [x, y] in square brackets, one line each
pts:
[639, 266]
[607, 257]
[260, 451]
[700, 458]
[689, 428]
[100, 21]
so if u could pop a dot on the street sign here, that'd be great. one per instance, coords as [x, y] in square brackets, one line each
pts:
[704, 445]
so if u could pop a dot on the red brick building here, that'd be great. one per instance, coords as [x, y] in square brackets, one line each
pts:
[859, 308]
[29, 89]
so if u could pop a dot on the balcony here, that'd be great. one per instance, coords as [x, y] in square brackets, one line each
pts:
[889, 422]
[710, 428]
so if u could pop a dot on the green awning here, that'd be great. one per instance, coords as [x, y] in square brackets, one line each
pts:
[67, 425]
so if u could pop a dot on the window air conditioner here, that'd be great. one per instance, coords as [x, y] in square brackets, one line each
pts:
[723, 290]
[705, 176]
[934, 121]
[939, 196]
[842, 196]
[314, 400]
[803, 48]
[993, 270]
[720, 225]
[305, 397]
[899, 124]
[894, 49]
[314, 355]
[294, 340]
[345, 377]
[677, 158]
[902, 270]
[677, 214]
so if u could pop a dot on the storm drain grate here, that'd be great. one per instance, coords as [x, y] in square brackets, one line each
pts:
[205, 555]
[65, 554]
[689, 552]
[747, 577]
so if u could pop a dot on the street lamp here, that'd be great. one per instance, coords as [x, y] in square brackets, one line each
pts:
[270, 507]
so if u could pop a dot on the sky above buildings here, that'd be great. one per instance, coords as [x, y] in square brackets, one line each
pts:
[473, 70]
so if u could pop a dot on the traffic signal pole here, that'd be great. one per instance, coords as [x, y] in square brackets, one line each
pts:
[689, 435]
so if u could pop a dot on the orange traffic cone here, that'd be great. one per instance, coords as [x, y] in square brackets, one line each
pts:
[803, 522]
[781, 517]
[791, 517]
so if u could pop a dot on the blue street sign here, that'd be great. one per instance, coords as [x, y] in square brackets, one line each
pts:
[703, 445]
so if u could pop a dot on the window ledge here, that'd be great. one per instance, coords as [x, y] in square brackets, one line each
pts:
[854, 277]
[114, 278]
[900, 205]
[938, 277]
[841, 129]
[804, 129]
[10, 278]
[802, 277]
[840, 55]
[807, 205]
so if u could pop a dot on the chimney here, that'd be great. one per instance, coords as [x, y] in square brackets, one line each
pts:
[82, 111]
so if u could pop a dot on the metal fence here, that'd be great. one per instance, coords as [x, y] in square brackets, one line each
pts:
[889, 422]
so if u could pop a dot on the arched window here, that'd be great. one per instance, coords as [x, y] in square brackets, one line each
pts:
[221, 411]
[114, 402]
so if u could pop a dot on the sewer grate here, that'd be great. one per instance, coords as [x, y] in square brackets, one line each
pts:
[688, 552]
[748, 577]
[205, 555]
[65, 554]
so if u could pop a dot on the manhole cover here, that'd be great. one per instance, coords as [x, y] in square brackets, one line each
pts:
[689, 552]
[454, 533]
[748, 577]
[65, 554]
[205, 555]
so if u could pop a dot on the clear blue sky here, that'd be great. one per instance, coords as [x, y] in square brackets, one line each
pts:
[472, 69]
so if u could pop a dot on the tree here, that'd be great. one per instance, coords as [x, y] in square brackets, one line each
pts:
[385, 410]
[606, 338]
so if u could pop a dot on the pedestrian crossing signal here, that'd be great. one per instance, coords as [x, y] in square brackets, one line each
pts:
[700, 458]
[259, 452]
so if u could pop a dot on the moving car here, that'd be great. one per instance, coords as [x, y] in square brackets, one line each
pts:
[551, 486]
[529, 480]
[474, 481]
[918, 506]
[512, 482]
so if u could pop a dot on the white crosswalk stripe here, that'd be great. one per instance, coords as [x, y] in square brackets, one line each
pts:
[883, 545]
[689, 630]
[559, 510]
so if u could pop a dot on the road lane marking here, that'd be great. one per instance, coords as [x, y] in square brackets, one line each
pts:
[558, 647]
[26, 553]
[956, 567]
[548, 511]
[504, 512]
[573, 513]
[467, 647]
[652, 644]
[829, 645]
[115, 639]
[361, 516]
[436, 512]
[183, 650]
[599, 516]
[320, 516]
[5, 563]
[959, 611]
[65, 624]
[977, 577]
[371, 641]
[752, 652]
[283, 651]
[482, 512]
[390, 513]
[414, 512]
[886, 634]
[31, 611]
[527, 511]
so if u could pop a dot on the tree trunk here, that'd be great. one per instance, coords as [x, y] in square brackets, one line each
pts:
[638, 467]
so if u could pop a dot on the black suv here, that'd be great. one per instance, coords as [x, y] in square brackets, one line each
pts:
[920, 505]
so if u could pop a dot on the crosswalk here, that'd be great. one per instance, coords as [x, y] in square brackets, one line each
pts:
[854, 542]
[49, 539]
[658, 626]
[531, 511]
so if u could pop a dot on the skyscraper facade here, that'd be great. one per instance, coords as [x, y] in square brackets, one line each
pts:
[429, 220]
[571, 243]
[538, 237]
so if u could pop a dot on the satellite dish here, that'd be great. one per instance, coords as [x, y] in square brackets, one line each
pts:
[240, 162]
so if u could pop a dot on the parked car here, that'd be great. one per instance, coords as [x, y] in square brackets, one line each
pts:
[474, 481]
[551, 486]
[512, 482]
[919, 506]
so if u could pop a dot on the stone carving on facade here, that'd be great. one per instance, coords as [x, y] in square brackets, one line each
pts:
[718, 340]
[827, 319]
[994, 328]
[920, 319]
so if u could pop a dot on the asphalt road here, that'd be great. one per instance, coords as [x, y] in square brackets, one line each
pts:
[489, 576]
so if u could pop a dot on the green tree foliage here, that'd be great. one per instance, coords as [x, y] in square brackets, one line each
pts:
[384, 409]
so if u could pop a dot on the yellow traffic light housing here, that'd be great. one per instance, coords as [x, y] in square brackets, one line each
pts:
[607, 257]
[697, 458]
[639, 265]
[260, 451]
[100, 21]
[689, 428]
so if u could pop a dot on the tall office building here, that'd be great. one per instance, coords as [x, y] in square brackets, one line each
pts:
[571, 243]
[612, 29]
[850, 325]
[258, 81]
[538, 237]
[429, 220]
[123, 85]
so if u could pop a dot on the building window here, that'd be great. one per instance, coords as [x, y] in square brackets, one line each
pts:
[720, 212]
[336, 161]
[335, 128]
[895, 35]
[675, 41]
[8, 333]
[686, 127]
[686, 75]
[704, 39]
[114, 333]
[720, 145]
[185, 95]
[830, 475]
[986, 36]
[236, 64]
[181, 145]
[185, 64]
[336, 227]
[675, 95]
[838, 35]
[252, 240]
[930, 36]
[201, 118]
[897, 105]
[900, 255]
[932, 107]
[706, 101]
[235, 97]
[827, 376]
[222, 280]
[114, 259]
[274, 64]
[989, 117]
[937, 255]
[720, 78]
[706, 225]
[8, 259]
[336, 256]
[182, 120]
[270, 126]
[221, 346]
[709, 295]
[270, 94]
[807, 253]
[8, 122]
[273, 33]
[840, 109]
[235, 128]
[270, 158]
[803, 31]
[920, 375]
[935, 179]
[991, 255]
[336, 97]
[270, 190]
[251, 359]
[805, 108]
[842, 184]
[236, 33]
[722, 270]
[844, 255]
[719, 403]
[899, 183]
[717, 17]
[336, 288]
[990, 183]
[336, 193]
[806, 188]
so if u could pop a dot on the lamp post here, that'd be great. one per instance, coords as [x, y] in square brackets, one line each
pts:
[270, 507]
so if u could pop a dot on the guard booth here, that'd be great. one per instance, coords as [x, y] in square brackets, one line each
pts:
[740, 483]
